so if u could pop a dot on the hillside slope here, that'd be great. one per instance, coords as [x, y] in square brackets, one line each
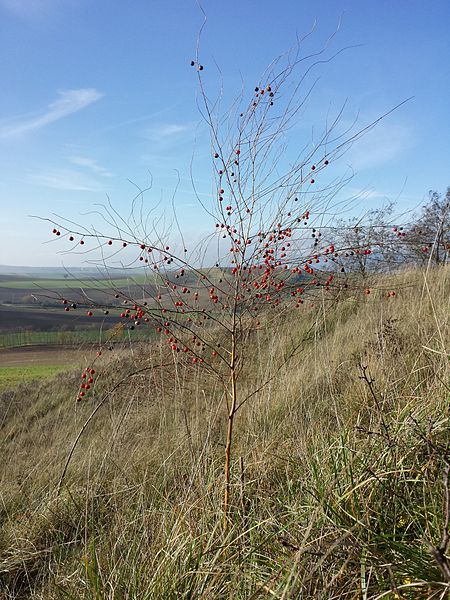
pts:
[338, 465]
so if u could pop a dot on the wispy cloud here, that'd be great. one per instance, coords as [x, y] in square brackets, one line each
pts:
[149, 117]
[68, 102]
[90, 164]
[66, 179]
[164, 131]
[368, 193]
[380, 146]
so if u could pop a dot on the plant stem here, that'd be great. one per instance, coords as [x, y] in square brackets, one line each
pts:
[231, 413]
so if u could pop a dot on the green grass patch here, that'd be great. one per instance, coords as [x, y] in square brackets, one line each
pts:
[10, 377]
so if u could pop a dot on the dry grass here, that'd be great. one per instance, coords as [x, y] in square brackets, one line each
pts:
[336, 487]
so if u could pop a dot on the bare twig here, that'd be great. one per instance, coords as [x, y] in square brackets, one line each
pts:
[94, 412]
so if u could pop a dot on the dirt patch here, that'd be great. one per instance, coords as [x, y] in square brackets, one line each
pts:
[27, 356]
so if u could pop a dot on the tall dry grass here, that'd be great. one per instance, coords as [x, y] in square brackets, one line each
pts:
[337, 482]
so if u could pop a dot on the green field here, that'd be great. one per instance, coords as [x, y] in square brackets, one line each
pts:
[70, 338]
[91, 283]
[10, 377]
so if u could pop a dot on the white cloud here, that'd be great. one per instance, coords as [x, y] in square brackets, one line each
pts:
[66, 179]
[365, 193]
[91, 164]
[173, 129]
[381, 145]
[68, 102]
[165, 131]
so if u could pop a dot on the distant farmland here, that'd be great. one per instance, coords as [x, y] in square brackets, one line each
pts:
[35, 292]
[15, 339]
[31, 313]
[42, 319]
[58, 284]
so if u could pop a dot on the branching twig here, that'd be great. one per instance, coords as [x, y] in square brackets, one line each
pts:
[368, 379]
[92, 415]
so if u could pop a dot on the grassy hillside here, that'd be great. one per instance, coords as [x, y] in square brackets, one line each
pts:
[338, 468]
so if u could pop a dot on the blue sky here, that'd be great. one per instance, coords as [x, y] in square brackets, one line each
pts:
[98, 97]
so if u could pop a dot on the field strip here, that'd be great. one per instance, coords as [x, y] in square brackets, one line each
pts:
[28, 356]
[35, 284]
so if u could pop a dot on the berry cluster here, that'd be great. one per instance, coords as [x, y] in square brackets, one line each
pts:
[87, 379]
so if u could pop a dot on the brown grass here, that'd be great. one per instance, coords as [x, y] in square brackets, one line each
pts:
[335, 485]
